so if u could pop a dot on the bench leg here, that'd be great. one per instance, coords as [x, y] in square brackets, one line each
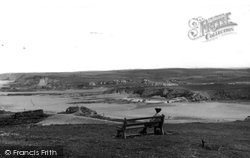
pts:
[124, 134]
[119, 131]
[162, 131]
[155, 130]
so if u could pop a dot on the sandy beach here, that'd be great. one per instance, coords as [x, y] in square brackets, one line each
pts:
[174, 112]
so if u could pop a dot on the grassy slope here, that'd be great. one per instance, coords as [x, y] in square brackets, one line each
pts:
[183, 140]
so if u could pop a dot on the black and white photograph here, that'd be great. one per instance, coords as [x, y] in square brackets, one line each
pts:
[124, 79]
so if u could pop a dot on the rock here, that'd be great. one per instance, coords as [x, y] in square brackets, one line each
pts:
[82, 110]
[200, 96]
[72, 109]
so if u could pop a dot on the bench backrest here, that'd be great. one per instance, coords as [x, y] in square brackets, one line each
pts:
[135, 121]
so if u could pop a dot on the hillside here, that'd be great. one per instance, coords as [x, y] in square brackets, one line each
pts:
[193, 84]
[181, 75]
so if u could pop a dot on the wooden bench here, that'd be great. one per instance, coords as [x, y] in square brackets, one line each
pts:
[140, 123]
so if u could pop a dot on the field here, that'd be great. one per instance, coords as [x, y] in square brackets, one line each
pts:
[181, 140]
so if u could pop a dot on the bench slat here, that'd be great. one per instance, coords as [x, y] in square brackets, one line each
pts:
[143, 123]
[143, 118]
[134, 127]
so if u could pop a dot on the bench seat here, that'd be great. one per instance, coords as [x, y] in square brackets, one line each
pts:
[130, 127]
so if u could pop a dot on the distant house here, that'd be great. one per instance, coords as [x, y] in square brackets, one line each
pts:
[43, 82]
[92, 84]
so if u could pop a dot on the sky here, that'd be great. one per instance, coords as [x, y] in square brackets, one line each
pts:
[86, 35]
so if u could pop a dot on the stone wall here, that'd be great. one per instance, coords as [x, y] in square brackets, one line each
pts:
[32, 116]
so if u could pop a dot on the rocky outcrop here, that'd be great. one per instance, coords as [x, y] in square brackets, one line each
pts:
[174, 93]
[168, 93]
[86, 112]
[82, 110]
[191, 96]
[200, 96]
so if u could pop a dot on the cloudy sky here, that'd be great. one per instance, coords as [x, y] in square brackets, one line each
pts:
[81, 35]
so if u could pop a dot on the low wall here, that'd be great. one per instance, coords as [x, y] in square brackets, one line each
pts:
[32, 116]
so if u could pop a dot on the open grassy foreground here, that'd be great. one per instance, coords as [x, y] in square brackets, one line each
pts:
[181, 140]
